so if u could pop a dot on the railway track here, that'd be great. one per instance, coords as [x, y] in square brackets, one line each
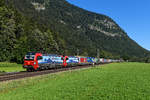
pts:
[19, 75]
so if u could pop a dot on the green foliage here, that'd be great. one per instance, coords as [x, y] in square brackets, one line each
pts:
[7, 33]
[147, 60]
[105, 54]
[126, 57]
[19, 35]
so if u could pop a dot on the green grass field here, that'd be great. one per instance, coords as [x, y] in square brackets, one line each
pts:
[10, 67]
[118, 81]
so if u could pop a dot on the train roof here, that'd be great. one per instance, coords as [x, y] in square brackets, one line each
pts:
[50, 55]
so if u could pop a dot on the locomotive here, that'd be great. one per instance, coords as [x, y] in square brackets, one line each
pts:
[39, 61]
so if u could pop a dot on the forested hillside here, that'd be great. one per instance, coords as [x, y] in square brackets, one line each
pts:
[55, 26]
[19, 35]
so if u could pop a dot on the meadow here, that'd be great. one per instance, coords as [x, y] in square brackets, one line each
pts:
[10, 67]
[117, 81]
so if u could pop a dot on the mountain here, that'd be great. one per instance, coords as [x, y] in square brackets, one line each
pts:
[55, 26]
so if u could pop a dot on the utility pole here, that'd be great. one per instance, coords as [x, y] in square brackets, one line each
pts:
[77, 52]
[98, 54]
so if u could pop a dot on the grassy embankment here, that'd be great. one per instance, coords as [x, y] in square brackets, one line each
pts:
[10, 67]
[119, 81]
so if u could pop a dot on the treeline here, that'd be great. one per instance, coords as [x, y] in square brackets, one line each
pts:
[19, 35]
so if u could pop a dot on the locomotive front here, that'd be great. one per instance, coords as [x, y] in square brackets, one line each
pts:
[31, 61]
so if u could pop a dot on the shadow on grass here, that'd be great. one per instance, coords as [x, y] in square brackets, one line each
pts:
[2, 72]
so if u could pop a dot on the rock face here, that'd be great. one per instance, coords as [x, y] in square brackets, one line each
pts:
[80, 29]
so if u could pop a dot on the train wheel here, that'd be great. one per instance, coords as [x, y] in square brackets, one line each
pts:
[39, 69]
[28, 70]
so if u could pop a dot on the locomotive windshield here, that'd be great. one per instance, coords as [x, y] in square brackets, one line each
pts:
[29, 57]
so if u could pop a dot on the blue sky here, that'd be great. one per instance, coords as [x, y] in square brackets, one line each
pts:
[133, 16]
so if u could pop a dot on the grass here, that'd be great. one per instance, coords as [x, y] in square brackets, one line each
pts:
[10, 67]
[118, 81]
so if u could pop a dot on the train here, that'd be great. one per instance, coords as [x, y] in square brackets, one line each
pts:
[39, 61]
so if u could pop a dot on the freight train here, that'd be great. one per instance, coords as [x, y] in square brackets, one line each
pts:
[39, 61]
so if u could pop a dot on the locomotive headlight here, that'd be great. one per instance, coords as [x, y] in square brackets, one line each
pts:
[34, 63]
